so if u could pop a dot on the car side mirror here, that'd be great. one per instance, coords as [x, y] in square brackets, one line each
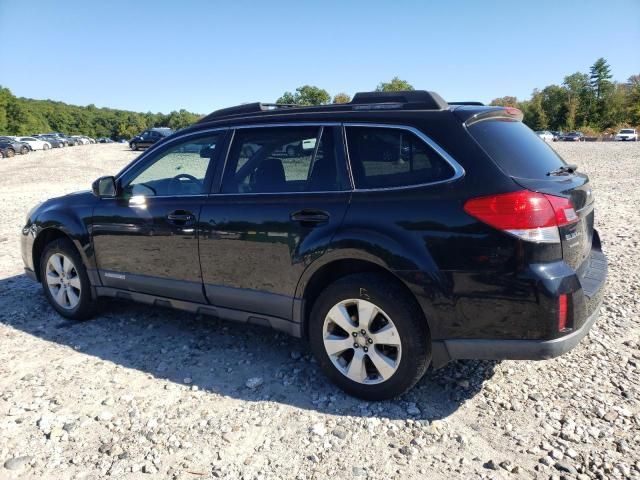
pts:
[105, 187]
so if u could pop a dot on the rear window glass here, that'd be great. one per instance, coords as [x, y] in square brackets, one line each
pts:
[516, 148]
[384, 157]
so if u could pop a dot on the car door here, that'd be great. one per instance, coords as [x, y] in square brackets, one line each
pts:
[146, 239]
[273, 216]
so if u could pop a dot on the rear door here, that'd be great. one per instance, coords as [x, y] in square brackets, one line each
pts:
[275, 213]
[536, 166]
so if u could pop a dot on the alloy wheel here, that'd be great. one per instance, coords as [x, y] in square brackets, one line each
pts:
[362, 341]
[63, 281]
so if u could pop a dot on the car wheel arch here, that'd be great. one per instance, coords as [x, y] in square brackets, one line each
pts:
[336, 269]
[44, 237]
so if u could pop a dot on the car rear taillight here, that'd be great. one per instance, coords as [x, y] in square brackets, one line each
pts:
[531, 216]
[562, 312]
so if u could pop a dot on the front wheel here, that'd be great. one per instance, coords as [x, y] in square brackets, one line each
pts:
[65, 281]
[10, 152]
[45, 147]
[369, 337]
[134, 146]
[24, 150]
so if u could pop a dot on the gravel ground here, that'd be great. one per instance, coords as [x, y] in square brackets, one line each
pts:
[144, 392]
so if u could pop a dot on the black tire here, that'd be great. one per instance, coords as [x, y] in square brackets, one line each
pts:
[407, 318]
[134, 146]
[291, 151]
[45, 147]
[10, 152]
[24, 150]
[86, 305]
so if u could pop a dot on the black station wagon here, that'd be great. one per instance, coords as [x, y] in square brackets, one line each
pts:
[400, 232]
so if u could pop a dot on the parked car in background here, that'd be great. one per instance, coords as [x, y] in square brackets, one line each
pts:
[627, 135]
[18, 147]
[545, 135]
[55, 142]
[572, 137]
[35, 143]
[149, 137]
[81, 140]
[556, 135]
[104, 140]
[7, 147]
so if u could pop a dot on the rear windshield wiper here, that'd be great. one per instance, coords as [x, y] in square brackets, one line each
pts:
[563, 170]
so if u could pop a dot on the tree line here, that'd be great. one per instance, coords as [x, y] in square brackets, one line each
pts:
[591, 102]
[26, 116]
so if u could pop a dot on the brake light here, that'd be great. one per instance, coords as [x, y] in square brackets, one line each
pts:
[562, 312]
[513, 111]
[531, 216]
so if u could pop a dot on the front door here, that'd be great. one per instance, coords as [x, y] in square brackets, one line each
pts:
[284, 194]
[146, 239]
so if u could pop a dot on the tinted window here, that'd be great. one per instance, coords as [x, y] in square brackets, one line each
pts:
[515, 148]
[180, 170]
[282, 159]
[392, 157]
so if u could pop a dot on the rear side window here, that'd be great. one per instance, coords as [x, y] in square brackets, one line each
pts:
[383, 157]
[516, 148]
[283, 160]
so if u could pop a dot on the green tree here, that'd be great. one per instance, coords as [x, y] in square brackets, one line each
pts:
[600, 78]
[534, 115]
[306, 95]
[395, 85]
[341, 98]
[554, 103]
[579, 99]
[633, 105]
[507, 101]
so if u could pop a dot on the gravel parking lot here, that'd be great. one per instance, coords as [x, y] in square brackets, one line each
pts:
[143, 392]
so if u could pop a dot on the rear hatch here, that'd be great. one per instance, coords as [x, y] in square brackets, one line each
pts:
[535, 166]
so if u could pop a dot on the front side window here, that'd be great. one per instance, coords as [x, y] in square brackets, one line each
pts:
[180, 170]
[283, 159]
[383, 157]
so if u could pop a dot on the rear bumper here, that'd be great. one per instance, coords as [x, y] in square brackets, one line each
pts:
[481, 349]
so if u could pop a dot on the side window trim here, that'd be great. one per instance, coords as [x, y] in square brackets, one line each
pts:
[344, 169]
[151, 156]
[458, 170]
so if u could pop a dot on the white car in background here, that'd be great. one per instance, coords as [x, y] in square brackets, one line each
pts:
[627, 134]
[35, 143]
[81, 139]
[545, 135]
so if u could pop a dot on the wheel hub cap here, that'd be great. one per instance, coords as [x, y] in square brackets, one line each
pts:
[362, 341]
[63, 281]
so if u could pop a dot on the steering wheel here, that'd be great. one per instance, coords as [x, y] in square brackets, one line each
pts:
[180, 181]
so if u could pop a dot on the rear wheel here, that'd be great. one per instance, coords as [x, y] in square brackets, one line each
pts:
[10, 152]
[291, 151]
[65, 281]
[369, 337]
[134, 146]
[45, 147]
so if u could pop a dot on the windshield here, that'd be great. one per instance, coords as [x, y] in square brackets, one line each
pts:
[516, 148]
[626, 130]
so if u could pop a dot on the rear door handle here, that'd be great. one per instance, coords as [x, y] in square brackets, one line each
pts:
[181, 217]
[310, 217]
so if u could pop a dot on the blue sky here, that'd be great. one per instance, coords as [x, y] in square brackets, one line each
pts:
[202, 55]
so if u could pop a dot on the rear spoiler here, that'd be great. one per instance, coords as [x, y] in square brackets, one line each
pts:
[474, 114]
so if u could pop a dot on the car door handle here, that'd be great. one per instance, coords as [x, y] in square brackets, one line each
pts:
[310, 217]
[180, 217]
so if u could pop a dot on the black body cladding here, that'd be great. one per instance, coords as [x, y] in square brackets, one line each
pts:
[260, 256]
